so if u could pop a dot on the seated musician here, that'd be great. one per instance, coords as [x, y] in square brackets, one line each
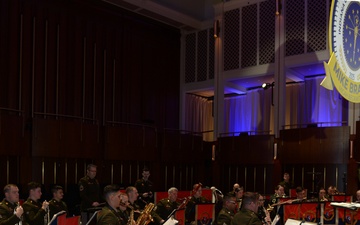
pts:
[146, 213]
[11, 212]
[227, 213]
[167, 205]
[321, 196]
[109, 214]
[195, 199]
[279, 193]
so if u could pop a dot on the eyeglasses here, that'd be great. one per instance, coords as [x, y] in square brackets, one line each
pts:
[233, 202]
[261, 200]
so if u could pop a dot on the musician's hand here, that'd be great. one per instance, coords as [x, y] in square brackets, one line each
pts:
[145, 195]
[95, 204]
[19, 211]
[45, 205]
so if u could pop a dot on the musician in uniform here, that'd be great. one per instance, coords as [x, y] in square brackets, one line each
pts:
[287, 184]
[248, 213]
[124, 209]
[227, 212]
[109, 214]
[262, 212]
[10, 212]
[195, 199]
[56, 204]
[144, 187]
[133, 194]
[167, 205]
[35, 213]
[89, 189]
[279, 193]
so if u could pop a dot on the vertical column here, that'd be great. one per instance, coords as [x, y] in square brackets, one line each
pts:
[279, 76]
[353, 116]
[218, 105]
[182, 82]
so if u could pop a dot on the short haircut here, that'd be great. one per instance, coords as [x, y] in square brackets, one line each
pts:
[145, 169]
[228, 197]
[172, 189]
[249, 197]
[8, 187]
[33, 185]
[241, 188]
[278, 187]
[299, 189]
[55, 188]
[110, 189]
[129, 189]
[90, 166]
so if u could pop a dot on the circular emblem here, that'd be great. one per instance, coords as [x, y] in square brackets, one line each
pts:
[344, 43]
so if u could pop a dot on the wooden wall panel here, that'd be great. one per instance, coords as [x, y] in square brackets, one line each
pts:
[71, 139]
[257, 148]
[12, 138]
[45, 142]
[315, 145]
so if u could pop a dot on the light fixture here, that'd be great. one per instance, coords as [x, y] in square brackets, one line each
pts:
[266, 86]
[278, 7]
[216, 28]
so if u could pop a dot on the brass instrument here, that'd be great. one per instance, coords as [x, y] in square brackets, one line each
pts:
[271, 207]
[145, 216]
[131, 218]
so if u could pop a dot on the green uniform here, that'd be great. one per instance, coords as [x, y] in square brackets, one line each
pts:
[33, 213]
[108, 216]
[224, 217]
[246, 217]
[144, 186]
[190, 207]
[89, 192]
[7, 216]
[57, 206]
[165, 207]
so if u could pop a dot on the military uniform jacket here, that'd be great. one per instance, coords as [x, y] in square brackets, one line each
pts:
[224, 217]
[142, 187]
[89, 192]
[164, 207]
[33, 213]
[246, 217]
[125, 215]
[108, 216]
[57, 206]
[7, 216]
[190, 207]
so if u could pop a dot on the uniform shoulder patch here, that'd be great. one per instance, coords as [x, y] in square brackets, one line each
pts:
[81, 187]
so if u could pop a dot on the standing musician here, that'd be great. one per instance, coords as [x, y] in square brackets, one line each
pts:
[109, 214]
[144, 187]
[89, 189]
[10, 212]
[167, 205]
[56, 204]
[35, 213]
[195, 199]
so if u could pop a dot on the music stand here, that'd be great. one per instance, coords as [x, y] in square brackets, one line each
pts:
[56, 215]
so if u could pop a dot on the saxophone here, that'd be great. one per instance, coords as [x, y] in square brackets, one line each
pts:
[131, 218]
[145, 216]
